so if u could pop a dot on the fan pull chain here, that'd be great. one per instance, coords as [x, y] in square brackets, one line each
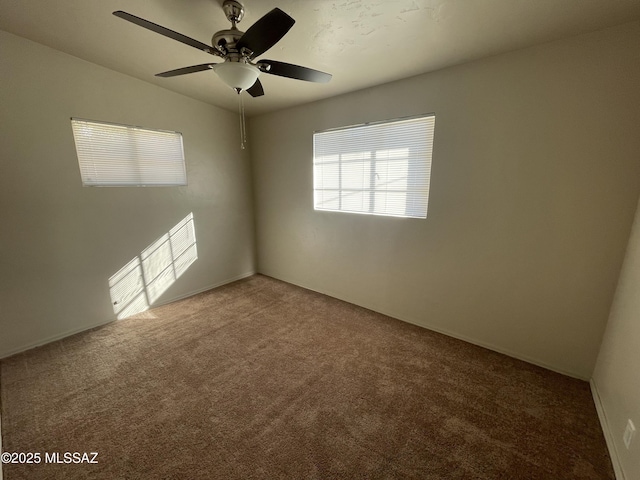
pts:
[243, 126]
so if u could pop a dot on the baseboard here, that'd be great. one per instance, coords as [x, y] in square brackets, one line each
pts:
[204, 289]
[608, 436]
[84, 328]
[52, 338]
[437, 329]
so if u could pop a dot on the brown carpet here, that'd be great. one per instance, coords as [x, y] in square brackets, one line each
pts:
[262, 379]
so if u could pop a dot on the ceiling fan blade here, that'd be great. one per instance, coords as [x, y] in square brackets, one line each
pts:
[185, 70]
[294, 71]
[266, 32]
[166, 32]
[256, 89]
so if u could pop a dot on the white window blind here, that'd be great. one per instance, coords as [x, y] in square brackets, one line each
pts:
[122, 155]
[378, 169]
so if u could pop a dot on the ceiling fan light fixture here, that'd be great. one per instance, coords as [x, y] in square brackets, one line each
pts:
[238, 49]
[238, 75]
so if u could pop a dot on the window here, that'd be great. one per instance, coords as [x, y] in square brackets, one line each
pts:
[378, 169]
[122, 155]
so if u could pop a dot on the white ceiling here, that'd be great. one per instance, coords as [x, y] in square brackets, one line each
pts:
[361, 42]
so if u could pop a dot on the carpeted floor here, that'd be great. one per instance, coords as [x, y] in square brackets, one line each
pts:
[262, 379]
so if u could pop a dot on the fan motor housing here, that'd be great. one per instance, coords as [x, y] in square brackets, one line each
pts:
[225, 40]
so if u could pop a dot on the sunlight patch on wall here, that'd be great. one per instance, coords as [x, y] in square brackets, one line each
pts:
[137, 285]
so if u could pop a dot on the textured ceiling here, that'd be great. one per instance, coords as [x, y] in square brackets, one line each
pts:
[361, 42]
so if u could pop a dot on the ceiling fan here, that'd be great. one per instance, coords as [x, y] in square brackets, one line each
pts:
[239, 50]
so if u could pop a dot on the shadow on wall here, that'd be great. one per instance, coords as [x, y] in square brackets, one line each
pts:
[137, 285]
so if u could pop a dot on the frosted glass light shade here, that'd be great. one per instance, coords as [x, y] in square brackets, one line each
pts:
[236, 74]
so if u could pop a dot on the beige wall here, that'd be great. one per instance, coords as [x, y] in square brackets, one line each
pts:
[536, 174]
[617, 372]
[61, 242]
